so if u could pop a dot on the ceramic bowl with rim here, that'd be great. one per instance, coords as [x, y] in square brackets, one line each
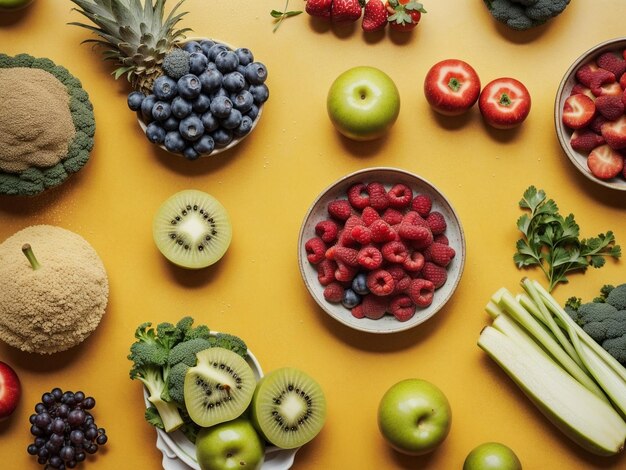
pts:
[388, 177]
[564, 134]
[236, 141]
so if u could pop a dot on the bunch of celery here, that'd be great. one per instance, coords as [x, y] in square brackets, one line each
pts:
[573, 381]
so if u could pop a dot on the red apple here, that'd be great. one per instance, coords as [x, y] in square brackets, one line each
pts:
[10, 390]
[504, 103]
[451, 87]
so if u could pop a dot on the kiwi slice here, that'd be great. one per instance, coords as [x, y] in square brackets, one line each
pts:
[288, 408]
[219, 388]
[192, 229]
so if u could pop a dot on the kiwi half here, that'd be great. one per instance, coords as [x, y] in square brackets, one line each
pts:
[192, 229]
[219, 388]
[288, 408]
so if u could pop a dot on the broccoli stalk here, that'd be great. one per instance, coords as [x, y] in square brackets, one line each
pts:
[152, 378]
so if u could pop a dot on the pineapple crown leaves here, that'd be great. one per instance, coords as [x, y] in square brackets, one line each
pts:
[401, 11]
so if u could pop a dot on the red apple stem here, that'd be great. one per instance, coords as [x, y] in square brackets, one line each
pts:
[28, 252]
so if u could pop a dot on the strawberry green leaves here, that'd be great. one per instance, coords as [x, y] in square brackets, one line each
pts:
[551, 241]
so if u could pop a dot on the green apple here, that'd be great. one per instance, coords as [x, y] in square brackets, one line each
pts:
[492, 456]
[14, 4]
[230, 445]
[363, 103]
[414, 416]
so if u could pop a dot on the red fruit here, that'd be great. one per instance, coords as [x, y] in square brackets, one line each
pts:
[378, 196]
[345, 10]
[605, 163]
[404, 15]
[439, 254]
[585, 140]
[369, 215]
[421, 292]
[594, 77]
[402, 307]
[361, 234]
[345, 272]
[10, 390]
[394, 252]
[622, 82]
[326, 271]
[333, 292]
[614, 132]
[374, 306]
[327, 230]
[358, 197]
[423, 243]
[578, 111]
[340, 209]
[413, 232]
[613, 63]
[441, 238]
[451, 87]
[346, 255]
[374, 16]
[504, 103]
[370, 258]
[582, 89]
[596, 123]
[610, 106]
[434, 273]
[414, 262]
[382, 231]
[315, 249]
[319, 8]
[380, 282]
[400, 196]
[401, 277]
[357, 311]
[413, 218]
[614, 89]
[422, 204]
[436, 222]
[392, 216]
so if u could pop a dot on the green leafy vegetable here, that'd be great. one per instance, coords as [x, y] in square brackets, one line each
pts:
[551, 241]
[280, 16]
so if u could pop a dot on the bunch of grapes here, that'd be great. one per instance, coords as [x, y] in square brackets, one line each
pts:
[64, 429]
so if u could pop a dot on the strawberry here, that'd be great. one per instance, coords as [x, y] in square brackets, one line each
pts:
[610, 106]
[451, 87]
[614, 132]
[613, 63]
[605, 163]
[345, 10]
[319, 8]
[594, 77]
[402, 307]
[610, 89]
[578, 111]
[404, 14]
[504, 103]
[585, 140]
[580, 88]
[622, 81]
[596, 123]
[374, 16]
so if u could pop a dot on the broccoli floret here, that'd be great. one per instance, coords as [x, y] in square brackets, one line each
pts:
[606, 325]
[573, 304]
[227, 341]
[604, 292]
[525, 14]
[186, 352]
[176, 383]
[35, 180]
[617, 297]
[616, 347]
[176, 63]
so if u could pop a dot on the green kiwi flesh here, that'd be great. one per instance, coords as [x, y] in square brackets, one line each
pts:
[192, 229]
[288, 408]
[219, 388]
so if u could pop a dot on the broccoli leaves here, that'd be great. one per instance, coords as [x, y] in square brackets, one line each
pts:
[551, 241]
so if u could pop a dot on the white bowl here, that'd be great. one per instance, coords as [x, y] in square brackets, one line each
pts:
[578, 159]
[388, 177]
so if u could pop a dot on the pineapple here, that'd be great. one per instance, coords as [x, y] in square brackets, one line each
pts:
[135, 36]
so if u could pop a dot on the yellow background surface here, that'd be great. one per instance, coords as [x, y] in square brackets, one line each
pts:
[268, 182]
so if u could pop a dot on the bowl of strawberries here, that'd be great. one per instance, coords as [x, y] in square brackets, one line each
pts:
[381, 250]
[590, 116]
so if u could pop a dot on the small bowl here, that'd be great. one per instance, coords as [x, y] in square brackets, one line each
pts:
[388, 177]
[563, 132]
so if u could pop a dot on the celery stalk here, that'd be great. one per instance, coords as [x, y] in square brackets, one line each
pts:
[506, 325]
[576, 411]
[493, 310]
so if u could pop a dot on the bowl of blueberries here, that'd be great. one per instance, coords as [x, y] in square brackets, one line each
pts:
[208, 99]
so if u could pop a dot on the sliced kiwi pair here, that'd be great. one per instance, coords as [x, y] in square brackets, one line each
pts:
[287, 407]
[192, 229]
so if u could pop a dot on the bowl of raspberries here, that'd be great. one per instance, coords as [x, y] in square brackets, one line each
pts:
[381, 250]
[590, 116]
[208, 99]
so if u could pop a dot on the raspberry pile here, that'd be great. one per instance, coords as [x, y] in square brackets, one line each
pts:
[595, 112]
[381, 251]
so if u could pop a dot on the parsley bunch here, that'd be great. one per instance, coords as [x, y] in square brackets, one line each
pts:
[551, 241]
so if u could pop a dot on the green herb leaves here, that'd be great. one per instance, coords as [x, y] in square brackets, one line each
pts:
[279, 16]
[552, 241]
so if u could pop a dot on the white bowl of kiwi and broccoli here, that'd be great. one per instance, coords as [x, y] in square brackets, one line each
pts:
[209, 98]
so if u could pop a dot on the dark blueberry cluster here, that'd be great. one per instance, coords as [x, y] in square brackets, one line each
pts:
[208, 95]
[64, 429]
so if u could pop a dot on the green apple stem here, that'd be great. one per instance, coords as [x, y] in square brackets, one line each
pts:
[28, 252]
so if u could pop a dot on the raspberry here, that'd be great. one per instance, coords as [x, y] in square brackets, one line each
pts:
[382, 231]
[326, 271]
[423, 243]
[422, 204]
[345, 239]
[421, 291]
[436, 222]
[414, 262]
[413, 232]
[400, 196]
[380, 282]
[611, 107]
[441, 238]
[344, 272]
[402, 307]
[327, 230]
[439, 254]
[333, 292]
[392, 216]
[370, 257]
[436, 274]
[394, 252]
[361, 234]
[613, 63]
[369, 215]
[413, 218]
[340, 209]
[346, 255]
[315, 250]
[357, 311]
[399, 275]
[378, 196]
[358, 197]
[352, 222]
[373, 306]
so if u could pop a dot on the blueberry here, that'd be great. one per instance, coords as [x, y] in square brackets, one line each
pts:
[219, 92]
[256, 73]
[254, 112]
[155, 133]
[243, 101]
[192, 46]
[201, 104]
[211, 80]
[244, 55]
[190, 153]
[241, 69]
[233, 119]
[244, 127]
[221, 106]
[222, 137]
[205, 45]
[170, 124]
[205, 145]
[191, 128]
[189, 86]
[146, 107]
[165, 88]
[234, 82]
[359, 284]
[174, 142]
[209, 122]
[135, 99]
[226, 61]
[214, 50]
[161, 110]
[350, 299]
[181, 108]
[260, 93]
[198, 63]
